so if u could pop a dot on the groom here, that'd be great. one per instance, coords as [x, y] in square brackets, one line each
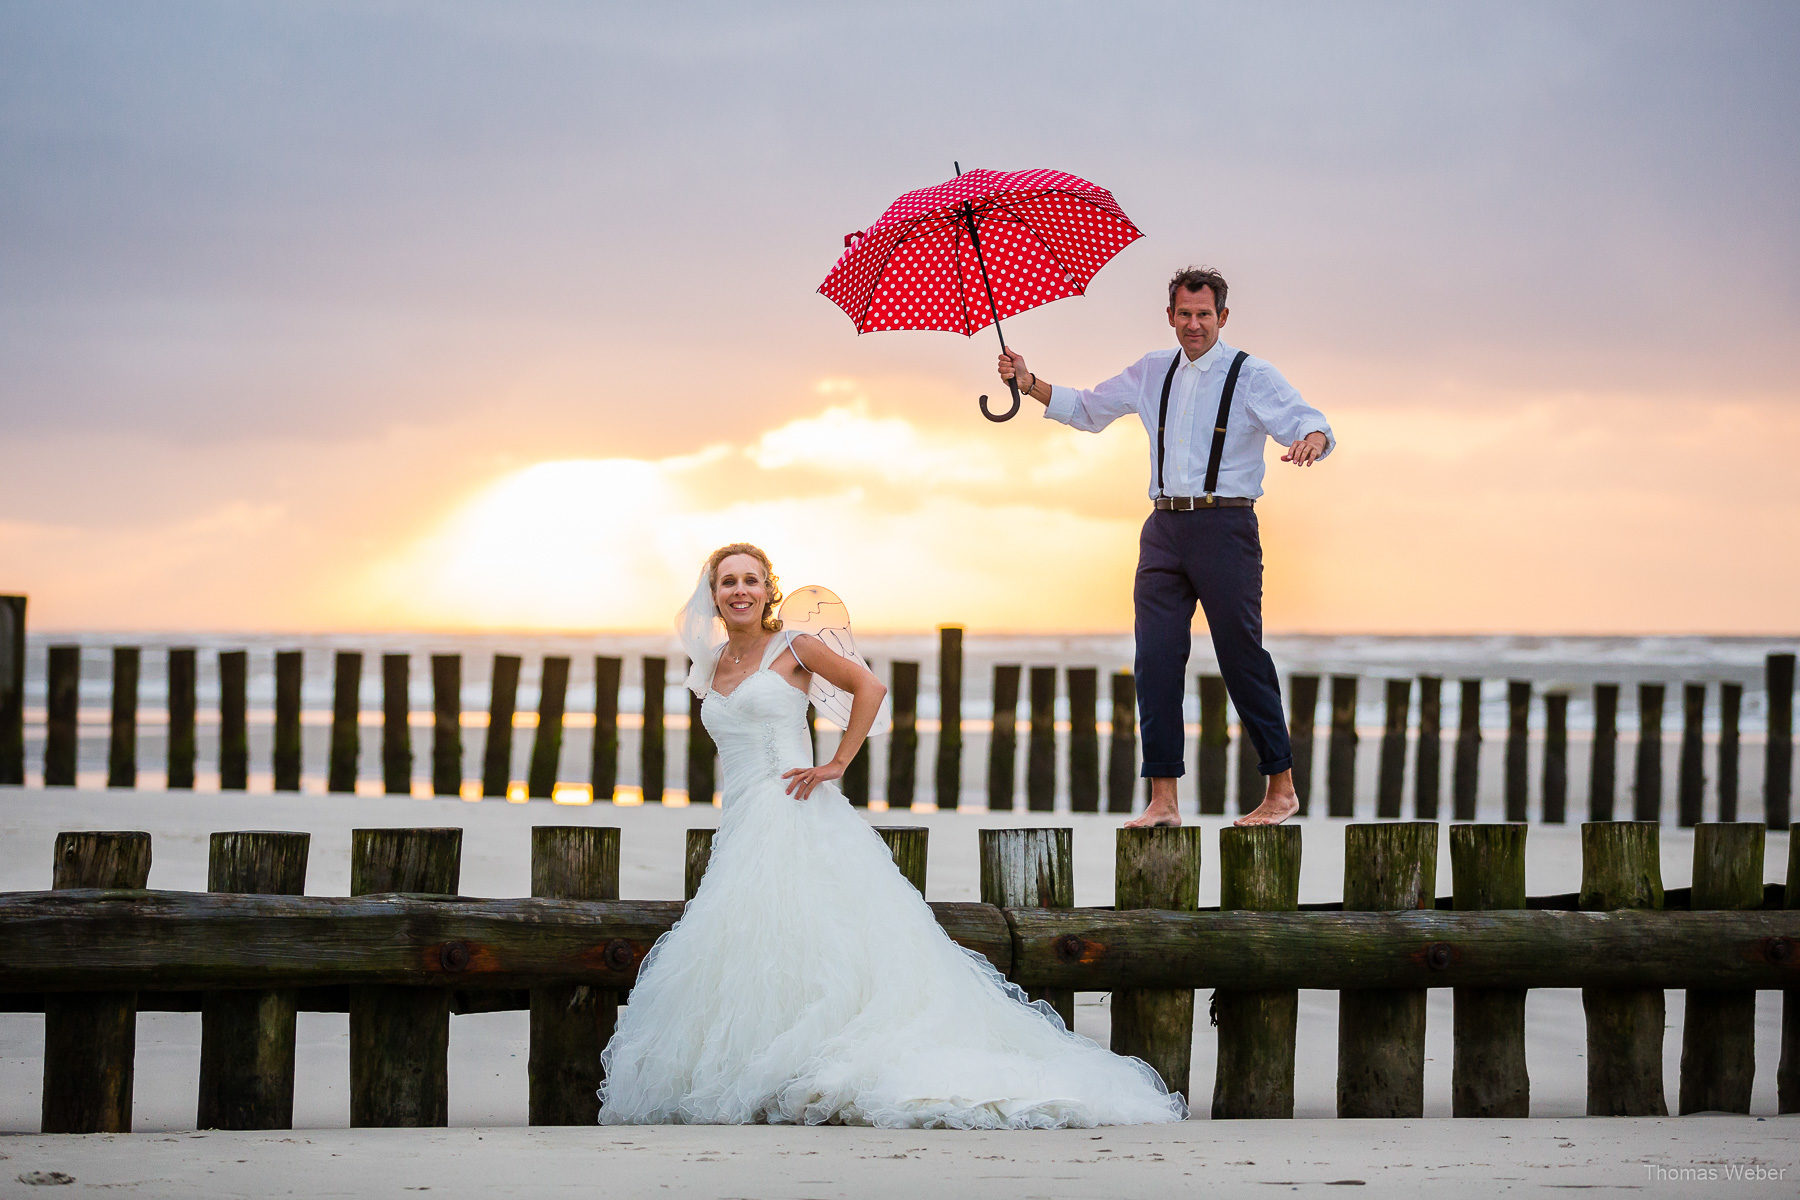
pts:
[1207, 408]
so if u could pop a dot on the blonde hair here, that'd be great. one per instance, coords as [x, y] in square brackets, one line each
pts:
[770, 621]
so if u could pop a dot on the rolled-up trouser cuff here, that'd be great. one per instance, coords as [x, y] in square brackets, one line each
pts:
[1164, 770]
[1276, 767]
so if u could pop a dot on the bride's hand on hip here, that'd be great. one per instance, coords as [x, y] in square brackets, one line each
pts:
[805, 779]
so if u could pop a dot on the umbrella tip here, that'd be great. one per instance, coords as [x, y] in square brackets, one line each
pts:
[957, 165]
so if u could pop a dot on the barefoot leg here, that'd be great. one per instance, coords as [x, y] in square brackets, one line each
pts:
[1279, 803]
[1162, 810]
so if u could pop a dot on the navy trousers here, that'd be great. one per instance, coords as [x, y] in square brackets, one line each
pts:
[1213, 556]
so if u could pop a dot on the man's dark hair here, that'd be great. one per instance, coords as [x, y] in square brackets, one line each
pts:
[1192, 279]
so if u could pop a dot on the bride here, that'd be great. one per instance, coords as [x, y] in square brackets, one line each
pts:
[807, 980]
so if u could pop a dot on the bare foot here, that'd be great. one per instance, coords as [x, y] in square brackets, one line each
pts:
[1275, 808]
[1159, 813]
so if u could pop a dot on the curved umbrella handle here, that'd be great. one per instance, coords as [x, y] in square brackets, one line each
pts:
[1010, 413]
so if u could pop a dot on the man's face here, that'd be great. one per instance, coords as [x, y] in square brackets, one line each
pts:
[1196, 320]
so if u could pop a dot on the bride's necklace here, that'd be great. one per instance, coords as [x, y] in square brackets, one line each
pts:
[737, 659]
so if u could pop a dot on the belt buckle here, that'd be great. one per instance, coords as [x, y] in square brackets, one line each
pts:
[1178, 506]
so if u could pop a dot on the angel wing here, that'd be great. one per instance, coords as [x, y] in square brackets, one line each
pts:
[819, 612]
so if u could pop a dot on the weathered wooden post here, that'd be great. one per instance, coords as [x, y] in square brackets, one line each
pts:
[1121, 744]
[1646, 785]
[1303, 709]
[90, 1038]
[285, 761]
[1621, 867]
[907, 843]
[1003, 743]
[1340, 768]
[1084, 739]
[183, 701]
[1518, 739]
[346, 716]
[121, 754]
[570, 1023]
[1718, 1037]
[1731, 700]
[1259, 869]
[12, 690]
[1031, 868]
[1465, 770]
[1603, 771]
[496, 755]
[1690, 785]
[903, 743]
[603, 767]
[1215, 738]
[546, 746]
[1381, 1031]
[651, 755]
[446, 725]
[1251, 783]
[856, 777]
[247, 1035]
[1157, 868]
[62, 716]
[396, 726]
[1040, 752]
[1487, 1075]
[1778, 750]
[234, 720]
[400, 1036]
[1787, 1073]
[1428, 765]
[950, 708]
[1390, 790]
[698, 855]
[702, 755]
[1556, 758]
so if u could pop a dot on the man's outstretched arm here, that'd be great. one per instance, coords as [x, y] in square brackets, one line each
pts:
[1091, 410]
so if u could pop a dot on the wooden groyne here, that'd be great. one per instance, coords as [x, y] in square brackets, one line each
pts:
[405, 952]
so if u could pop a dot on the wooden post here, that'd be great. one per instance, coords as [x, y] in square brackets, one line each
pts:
[289, 673]
[651, 755]
[1381, 1031]
[1031, 868]
[1340, 768]
[1487, 1075]
[234, 720]
[1778, 751]
[1518, 739]
[446, 725]
[1731, 699]
[1302, 716]
[907, 843]
[1003, 745]
[699, 854]
[1251, 783]
[1690, 787]
[1646, 784]
[12, 690]
[247, 1036]
[702, 756]
[1428, 765]
[546, 747]
[603, 770]
[1215, 739]
[90, 1038]
[346, 715]
[1556, 757]
[1465, 771]
[400, 1036]
[1084, 740]
[570, 1024]
[396, 730]
[1603, 765]
[1040, 753]
[62, 716]
[1157, 868]
[903, 743]
[1259, 869]
[1787, 1072]
[183, 700]
[1621, 868]
[1390, 791]
[1121, 745]
[496, 755]
[950, 708]
[121, 755]
[1718, 1037]
[856, 777]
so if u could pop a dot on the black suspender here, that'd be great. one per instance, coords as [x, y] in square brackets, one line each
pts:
[1218, 440]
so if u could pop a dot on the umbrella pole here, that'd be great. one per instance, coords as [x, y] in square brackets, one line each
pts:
[975, 238]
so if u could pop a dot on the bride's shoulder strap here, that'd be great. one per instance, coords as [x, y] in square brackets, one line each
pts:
[783, 640]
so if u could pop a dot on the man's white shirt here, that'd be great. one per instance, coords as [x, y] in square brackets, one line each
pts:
[1264, 406]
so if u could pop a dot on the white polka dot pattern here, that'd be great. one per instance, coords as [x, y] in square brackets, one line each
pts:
[1043, 235]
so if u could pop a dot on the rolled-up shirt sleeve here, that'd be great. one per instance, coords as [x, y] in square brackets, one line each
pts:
[1280, 409]
[1093, 409]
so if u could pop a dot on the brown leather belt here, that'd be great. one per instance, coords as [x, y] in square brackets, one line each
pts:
[1189, 503]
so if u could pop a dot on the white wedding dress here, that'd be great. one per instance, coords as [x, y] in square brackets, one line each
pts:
[809, 982]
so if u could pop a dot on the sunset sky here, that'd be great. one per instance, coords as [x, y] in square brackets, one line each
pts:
[443, 315]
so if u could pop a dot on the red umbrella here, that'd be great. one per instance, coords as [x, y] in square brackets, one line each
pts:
[926, 263]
